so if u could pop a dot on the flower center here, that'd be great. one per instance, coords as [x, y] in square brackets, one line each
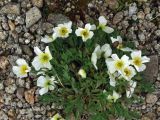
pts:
[85, 33]
[44, 58]
[127, 72]
[48, 83]
[23, 69]
[137, 61]
[63, 31]
[119, 64]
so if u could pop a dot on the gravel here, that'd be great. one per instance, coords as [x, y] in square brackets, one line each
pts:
[22, 26]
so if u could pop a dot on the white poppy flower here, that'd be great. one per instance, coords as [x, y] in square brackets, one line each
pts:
[46, 84]
[130, 90]
[128, 72]
[114, 97]
[47, 39]
[22, 69]
[117, 64]
[85, 33]
[96, 55]
[103, 25]
[138, 60]
[118, 39]
[113, 78]
[82, 73]
[42, 60]
[62, 30]
[106, 49]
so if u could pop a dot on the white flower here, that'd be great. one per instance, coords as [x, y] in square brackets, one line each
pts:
[22, 69]
[118, 39]
[82, 73]
[103, 25]
[85, 33]
[114, 97]
[130, 89]
[47, 39]
[106, 49]
[42, 60]
[57, 117]
[62, 30]
[113, 78]
[128, 72]
[117, 64]
[46, 84]
[96, 55]
[138, 60]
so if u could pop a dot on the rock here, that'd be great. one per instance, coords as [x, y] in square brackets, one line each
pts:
[27, 50]
[113, 4]
[48, 27]
[57, 19]
[132, 9]
[151, 98]
[29, 96]
[141, 15]
[10, 9]
[3, 62]
[20, 93]
[158, 111]
[37, 3]
[11, 25]
[157, 32]
[1, 85]
[141, 37]
[32, 16]
[11, 89]
[152, 69]
[3, 115]
[3, 35]
[149, 116]
[117, 18]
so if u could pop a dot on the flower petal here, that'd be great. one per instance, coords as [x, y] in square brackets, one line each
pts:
[41, 81]
[37, 51]
[108, 30]
[136, 53]
[48, 52]
[21, 62]
[102, 20]
[88, 26]
[36, 64]
[43, 91]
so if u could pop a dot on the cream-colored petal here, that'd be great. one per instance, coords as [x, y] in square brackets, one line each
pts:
[41, 81]
[21, 62]
[36, 64]
[88, 26]
[145, 59]
[42, 91]
[108, 29]
[102, 20]
[48, 52]
[37, 51]
[136, 54]
[115, 57]
[94, 60]
[78, 31]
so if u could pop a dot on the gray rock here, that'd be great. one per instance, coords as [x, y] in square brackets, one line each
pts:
[1, 86]
[32, 16]
[37, 3]
[57, 19]
[3, 115]
[118, 17]
[152, 69]
[3, 35]
[10, 9]
[27, 50]
[48, 27]
[151, 99]
[20, 93]
[11, 89]
[141, 37]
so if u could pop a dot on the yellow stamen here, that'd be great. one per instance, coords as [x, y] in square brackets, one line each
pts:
[119, 64]
[127, 72]
[23, 69]
[85, 33]
[63, 31]
[44, 58]
[137, 61]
